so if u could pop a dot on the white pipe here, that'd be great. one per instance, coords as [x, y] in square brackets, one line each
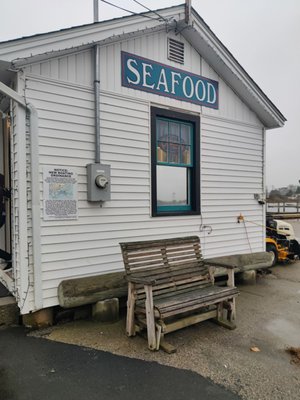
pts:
[96, 11]
[35, 205]
[188, 11]
[35, 190]
[97, 101]
[264, 194]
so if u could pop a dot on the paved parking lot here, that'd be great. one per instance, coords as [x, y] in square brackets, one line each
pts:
[35, 369]
[267, 317]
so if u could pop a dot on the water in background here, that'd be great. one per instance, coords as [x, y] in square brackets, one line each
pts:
[282, 209]
[296, 226]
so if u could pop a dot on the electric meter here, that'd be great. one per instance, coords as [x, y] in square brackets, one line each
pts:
[98, 182]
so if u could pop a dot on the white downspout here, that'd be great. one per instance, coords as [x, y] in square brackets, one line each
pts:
[264, 194]
[35, 205]
[35, 190]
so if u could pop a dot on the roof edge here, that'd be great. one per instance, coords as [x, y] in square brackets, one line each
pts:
[92, 24]
[230, 62]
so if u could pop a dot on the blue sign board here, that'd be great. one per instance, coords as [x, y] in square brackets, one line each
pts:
[150, 76]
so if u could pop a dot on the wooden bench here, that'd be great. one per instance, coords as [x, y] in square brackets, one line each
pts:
[170, 287]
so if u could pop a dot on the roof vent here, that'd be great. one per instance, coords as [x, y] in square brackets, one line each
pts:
[175, 51]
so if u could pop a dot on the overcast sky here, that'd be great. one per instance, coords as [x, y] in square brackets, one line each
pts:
[263, 35]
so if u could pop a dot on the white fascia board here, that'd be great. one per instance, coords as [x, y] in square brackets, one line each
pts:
[221, 60]
[77, 36]
[20, 62]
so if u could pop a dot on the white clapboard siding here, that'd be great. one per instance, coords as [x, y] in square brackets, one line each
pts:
[73, 68]
[231, 163]
[231, 172]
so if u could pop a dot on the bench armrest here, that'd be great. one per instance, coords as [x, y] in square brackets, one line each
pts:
[143, 281]
[218, 264]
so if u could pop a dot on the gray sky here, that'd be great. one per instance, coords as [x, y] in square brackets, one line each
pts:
[263, 35]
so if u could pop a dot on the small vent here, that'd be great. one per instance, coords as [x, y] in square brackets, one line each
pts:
[175, 51]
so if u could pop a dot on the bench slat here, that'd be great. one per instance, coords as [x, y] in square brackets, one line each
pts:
[173, 273]
[164, 291]
[178, 284]
[156, 271]
[192, 296]
[151, 244]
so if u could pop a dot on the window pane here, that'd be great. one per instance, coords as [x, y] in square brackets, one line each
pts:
[174, 155]
[172, 186]
[162, 152]
[174, 132]
[185, 134]
[185, 155]
[162, 130]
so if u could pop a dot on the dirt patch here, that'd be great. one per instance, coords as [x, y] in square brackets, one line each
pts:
[295, 353]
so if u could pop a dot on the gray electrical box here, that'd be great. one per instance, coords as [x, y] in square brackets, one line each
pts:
[98, 182]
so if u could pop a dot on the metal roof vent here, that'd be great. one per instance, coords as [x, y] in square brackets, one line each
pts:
[175, 51]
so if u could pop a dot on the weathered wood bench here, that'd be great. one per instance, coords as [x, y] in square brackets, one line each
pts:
[170, 287]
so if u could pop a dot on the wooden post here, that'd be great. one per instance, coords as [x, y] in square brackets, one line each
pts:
[89, 290]
[150, 318]
[230, 281]
[220, 311]
[283, 207]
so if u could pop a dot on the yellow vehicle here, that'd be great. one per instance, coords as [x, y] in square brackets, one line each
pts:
[281, 241]
[281, 253]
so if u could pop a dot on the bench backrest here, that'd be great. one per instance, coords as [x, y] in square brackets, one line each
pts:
[175, 264]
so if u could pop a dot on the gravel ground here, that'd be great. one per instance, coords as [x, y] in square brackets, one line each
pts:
[267, 317]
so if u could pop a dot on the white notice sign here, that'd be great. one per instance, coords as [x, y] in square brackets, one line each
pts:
[60, 193]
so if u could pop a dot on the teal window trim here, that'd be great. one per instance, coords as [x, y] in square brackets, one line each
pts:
[187, 166]
[159, 159]
[172, 208]
[174, 164]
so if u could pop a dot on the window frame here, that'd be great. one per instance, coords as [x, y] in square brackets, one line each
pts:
[194, 169]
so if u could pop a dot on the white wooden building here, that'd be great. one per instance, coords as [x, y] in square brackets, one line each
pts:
[202, 121]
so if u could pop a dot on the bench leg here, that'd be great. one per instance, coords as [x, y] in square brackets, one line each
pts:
[130, 326]
[231, 312]
[228, 322]
[158, 335]
[220, 311]
[151, 329]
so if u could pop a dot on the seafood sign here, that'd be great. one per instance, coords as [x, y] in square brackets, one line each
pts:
[150, 76]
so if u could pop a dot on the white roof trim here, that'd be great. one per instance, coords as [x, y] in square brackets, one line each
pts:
[82, 35]
[198, 34]
[222, 61]
[19, 62]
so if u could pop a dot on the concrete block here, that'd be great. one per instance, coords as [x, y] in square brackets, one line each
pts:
[106, 310]
[9, 311]
[39, 319]
[248, 277]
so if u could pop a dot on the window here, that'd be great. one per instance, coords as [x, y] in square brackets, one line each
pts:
[175, 163]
